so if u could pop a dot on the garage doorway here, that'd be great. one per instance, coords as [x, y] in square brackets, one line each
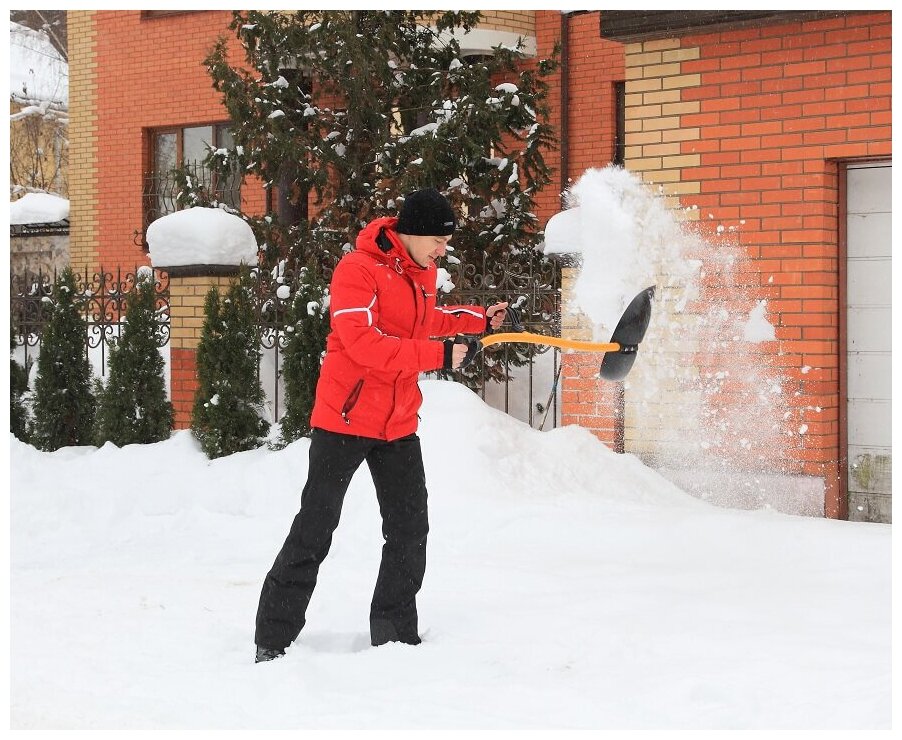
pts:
[867, 373]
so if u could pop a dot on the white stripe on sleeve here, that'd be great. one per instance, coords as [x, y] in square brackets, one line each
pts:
[369, 313]
[458, 311]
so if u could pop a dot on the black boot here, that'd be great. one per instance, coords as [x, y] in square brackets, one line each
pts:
[264, 654]
[383, 631]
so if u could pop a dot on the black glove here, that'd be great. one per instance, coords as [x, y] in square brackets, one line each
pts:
[473, 347]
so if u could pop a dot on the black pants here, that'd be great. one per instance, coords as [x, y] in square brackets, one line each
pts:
[397, 470]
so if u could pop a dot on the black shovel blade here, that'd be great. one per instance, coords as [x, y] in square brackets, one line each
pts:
[629, 333]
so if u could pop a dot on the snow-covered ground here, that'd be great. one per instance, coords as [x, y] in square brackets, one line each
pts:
[567, 587]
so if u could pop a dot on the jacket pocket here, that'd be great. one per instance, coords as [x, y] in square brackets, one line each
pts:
[351, 401]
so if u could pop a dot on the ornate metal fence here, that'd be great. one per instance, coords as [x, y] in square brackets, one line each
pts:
[102, 296]
[274, 290]
[520, 379]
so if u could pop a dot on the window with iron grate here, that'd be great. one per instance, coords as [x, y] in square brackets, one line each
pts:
[186, 147]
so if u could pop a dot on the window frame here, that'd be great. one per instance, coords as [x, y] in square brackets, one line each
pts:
[155, 179]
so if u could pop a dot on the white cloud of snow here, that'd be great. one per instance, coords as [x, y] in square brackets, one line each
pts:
[704, 404]
[758, 328]
[614, 224]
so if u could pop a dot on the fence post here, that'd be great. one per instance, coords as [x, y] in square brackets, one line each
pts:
[585, 400]
[188, 287]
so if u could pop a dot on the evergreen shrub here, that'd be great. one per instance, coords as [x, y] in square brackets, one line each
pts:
[63, 400]
[228, 406]
[133, 408]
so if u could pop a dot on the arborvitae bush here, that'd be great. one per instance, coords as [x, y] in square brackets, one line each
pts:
[229, 400]
[308, 326]
[63, 401]
[133, 408]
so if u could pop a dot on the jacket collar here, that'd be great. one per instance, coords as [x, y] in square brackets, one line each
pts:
[380, 240]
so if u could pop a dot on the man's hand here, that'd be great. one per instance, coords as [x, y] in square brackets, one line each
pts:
[495, 315]
[460, 352]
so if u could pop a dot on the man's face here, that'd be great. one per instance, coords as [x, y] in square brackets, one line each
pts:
[425, 250]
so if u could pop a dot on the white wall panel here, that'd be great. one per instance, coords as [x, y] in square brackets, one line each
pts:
[869, 340]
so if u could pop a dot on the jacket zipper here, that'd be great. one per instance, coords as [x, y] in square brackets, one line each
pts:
[351, 401]
[425, 305]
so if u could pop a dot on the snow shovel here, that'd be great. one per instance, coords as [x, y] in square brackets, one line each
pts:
[620, 352]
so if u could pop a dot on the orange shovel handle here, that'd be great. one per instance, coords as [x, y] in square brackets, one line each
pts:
[526, 337]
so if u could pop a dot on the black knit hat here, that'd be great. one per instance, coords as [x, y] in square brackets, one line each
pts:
[426, 213]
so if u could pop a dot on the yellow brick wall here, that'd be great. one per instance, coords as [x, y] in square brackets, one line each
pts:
[522, 22]
[654, 84]
[655, 151]
[83, 199]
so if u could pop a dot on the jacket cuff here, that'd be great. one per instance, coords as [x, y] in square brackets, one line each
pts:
[447, 359]
[486, 323]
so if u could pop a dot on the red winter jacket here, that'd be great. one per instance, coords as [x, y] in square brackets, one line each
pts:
[383, 315]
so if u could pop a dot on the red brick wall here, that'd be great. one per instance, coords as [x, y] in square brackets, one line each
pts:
[774, 109]
[149, 74]
[595, 64]
[548, 29]
[183, 379]
[779, 106]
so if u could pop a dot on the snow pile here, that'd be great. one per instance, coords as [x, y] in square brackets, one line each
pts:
[201, 236]
[37, 72]
[38, 208]
[704, 400]
[567, 587]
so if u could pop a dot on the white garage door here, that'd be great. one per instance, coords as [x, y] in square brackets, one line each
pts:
[868, 316]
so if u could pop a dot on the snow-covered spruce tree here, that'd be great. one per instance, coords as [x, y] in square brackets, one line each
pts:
[63, 402]
[360, 107]
[132, 408]
[227, 409]
[357, 108]
[307, 328]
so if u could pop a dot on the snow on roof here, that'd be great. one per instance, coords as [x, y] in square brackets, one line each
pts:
[38, 208]
[201, 236]
[37, 72]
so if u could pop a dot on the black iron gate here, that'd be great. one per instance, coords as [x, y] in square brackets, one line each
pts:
[519, 379]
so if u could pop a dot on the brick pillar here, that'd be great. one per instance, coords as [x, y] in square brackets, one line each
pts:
[188, 288]
[84, 231]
